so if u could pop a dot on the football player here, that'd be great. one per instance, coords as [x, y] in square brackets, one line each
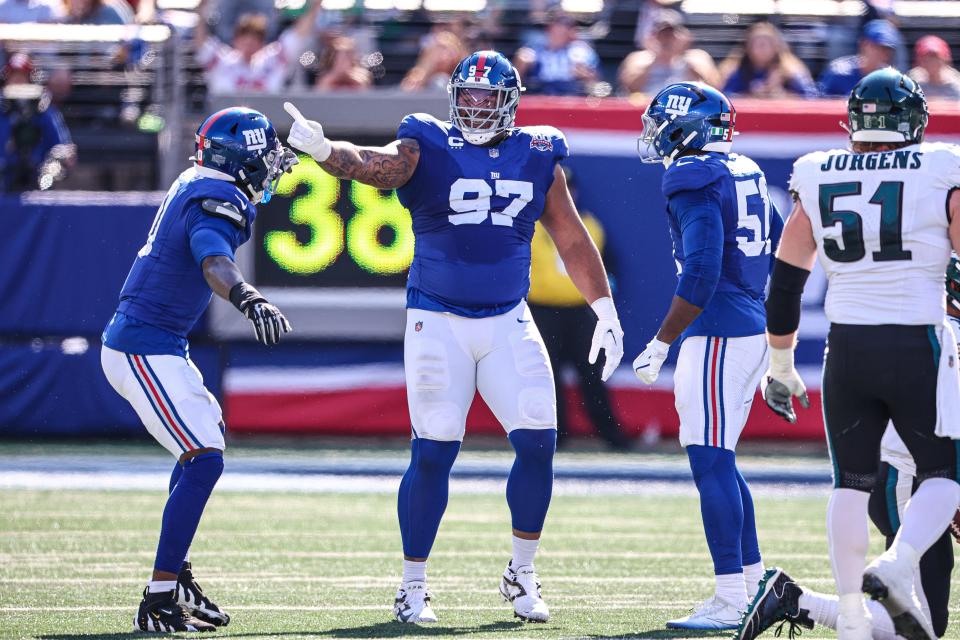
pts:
[781, 599]
[475, 185]
[725, 229]
[207, 213]
[868, 213]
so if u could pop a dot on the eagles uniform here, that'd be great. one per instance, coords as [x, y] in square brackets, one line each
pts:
[207, 213]
[724, 230]
[475, 185]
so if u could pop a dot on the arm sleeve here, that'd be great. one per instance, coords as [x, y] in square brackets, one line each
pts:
[701, 229]
[211, 236]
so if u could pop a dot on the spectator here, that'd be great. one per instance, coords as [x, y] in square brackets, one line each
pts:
[251, 65]
[564, 65]
[18, 11]
[94, 12]
[35, 142]
[340, 68]
[438, 58]
[223, 16]
[933, 72]
[566, 324]
[667, 58]
[765, 67]
[878, 46]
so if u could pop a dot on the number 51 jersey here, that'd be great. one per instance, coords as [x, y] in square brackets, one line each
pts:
[473, 211]
[880, 223]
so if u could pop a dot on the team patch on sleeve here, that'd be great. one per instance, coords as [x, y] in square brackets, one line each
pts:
[224, 210]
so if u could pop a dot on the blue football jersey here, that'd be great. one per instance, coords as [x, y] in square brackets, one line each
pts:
[473, 211]
[165, 292]
[752, 226]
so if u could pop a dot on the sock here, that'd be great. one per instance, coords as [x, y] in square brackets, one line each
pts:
[174, 479]
[731, 588]
[752, 575]
[848, 538]
[414, 571]
[721, 505]
[928, 514]
[184, 507]
[882, 625]
[523, 552]
[749, 546]
[823, 608]
[423, 494]
[530, 484]
[161, 586]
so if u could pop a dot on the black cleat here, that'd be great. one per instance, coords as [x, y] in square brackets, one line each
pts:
[160, 613]
[190, 596]
[778, 600]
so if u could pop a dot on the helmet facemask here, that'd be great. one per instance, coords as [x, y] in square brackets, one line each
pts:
[647, 144]
[271, 166]
[482, 111]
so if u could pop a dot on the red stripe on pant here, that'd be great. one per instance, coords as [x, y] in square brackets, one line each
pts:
[156, 396]
[713, 393]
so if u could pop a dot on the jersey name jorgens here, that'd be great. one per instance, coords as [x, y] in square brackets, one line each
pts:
[473, 210]
[881, 232]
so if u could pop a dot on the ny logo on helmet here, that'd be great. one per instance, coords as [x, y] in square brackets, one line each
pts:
[678, 105]
[256, 139]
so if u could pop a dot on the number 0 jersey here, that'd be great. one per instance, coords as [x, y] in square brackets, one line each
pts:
[473, 211]
[880, 223]
[733, 189]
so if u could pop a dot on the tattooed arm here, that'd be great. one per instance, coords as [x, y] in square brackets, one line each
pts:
[386, 167]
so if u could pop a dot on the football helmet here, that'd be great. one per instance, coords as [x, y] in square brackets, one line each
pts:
[887, 106]
[686, 115]
[484, 93]
[242, 144]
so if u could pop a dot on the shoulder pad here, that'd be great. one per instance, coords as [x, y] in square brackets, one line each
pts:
[420, 125]
[691, 173]
[222, 209]
[547, 139]
[804, 165]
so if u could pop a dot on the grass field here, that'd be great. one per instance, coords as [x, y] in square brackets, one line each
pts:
[292, 565]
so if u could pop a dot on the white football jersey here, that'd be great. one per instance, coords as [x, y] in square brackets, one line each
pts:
[880, 223]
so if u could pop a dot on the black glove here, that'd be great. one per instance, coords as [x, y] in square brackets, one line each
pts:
[266, 318]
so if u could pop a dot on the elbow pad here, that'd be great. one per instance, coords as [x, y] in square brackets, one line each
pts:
[783, 303]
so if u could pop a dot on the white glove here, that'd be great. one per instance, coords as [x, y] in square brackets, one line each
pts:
[307, 135]
[608, 335]
[781, 383]
[647, 365]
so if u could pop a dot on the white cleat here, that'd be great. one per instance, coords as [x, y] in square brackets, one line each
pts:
[713, 615]
[889, 581]
[412, 603]
[854, 622]
[521, 586]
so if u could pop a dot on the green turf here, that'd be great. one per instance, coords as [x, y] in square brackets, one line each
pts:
[290, 565]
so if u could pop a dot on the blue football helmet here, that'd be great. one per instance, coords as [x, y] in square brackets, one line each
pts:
[484, 94]
[686, 115]
[242, 144]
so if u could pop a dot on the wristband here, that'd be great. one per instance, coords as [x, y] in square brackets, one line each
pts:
[242, 295]
[604, 308]
[781, 362]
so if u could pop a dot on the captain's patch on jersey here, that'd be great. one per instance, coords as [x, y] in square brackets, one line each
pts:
[224, 210]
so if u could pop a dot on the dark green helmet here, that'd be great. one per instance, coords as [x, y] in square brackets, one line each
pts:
[887, 106]
[953, 281]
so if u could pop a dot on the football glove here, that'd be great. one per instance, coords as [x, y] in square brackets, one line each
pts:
[307, 135]
[647, 365]
[608, 335]
[781, 383]
[268, 322]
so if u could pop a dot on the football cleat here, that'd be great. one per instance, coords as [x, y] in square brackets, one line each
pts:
[521, 587]
[712, 615]
[778, 600]
[160, 613]
[412, 603]
[190, 596]
[889, 581]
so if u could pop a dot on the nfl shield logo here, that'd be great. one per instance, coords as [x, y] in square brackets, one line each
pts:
[418, 326]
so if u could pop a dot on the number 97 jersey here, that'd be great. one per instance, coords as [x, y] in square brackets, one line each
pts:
[473, 211]
[880, 223]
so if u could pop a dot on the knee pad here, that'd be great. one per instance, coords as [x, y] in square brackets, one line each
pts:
[534, 445]
[538, 407]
